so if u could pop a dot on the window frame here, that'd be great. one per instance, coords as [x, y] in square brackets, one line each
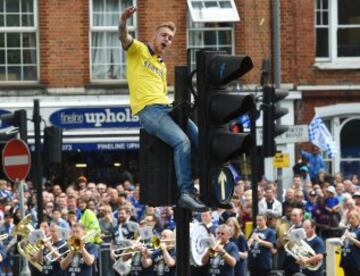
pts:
[92, 28]
[212, 15]
[20, 29]
[333, 61]
[191, 27]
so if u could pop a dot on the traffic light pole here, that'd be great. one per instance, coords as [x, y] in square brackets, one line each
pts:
[37, 161]
[254, 166]
[183, 216]
[25, 270]
[276, 26]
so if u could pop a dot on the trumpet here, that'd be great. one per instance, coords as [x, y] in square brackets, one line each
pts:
[73, 244]
[212, 252]
[343, 238]
[155, 241]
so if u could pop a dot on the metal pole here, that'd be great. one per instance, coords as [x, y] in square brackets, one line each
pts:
[254, 166]
[276, 43]
[183, 216]
[37, 161]
[25, 271]
[277, 72]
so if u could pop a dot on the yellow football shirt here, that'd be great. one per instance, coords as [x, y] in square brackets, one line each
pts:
[146, 76]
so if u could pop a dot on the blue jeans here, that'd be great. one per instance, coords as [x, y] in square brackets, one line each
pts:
[155, 119]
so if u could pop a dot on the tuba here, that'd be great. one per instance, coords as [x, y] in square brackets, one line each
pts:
[298, 248]
[25, 247]
[282, 228]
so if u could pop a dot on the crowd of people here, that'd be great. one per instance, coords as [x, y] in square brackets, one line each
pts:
[327, 207]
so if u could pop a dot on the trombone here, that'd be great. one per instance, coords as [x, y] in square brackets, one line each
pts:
[118, 252]
[154, 243]
[73, 244]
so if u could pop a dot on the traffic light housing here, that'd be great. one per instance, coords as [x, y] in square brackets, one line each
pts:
[16, 119]
[218, 144]
[271, 115]
[52, 145]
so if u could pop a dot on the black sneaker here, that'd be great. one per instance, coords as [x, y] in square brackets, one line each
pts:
[190, 201]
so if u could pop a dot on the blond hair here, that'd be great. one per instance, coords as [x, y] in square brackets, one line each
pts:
[237, 227]
[354, 213]
[169, 24]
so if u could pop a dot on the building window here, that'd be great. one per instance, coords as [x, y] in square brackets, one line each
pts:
[107, 56]
[18, 40]
[210, 26]
[350, 147]
[337, 25]
[210, 36]
[213, 10]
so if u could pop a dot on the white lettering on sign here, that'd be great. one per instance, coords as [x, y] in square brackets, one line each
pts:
[295, 134]
[72, 118]
[16, 160]
[97, 118]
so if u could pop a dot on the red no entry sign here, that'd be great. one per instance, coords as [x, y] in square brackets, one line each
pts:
[16, 160]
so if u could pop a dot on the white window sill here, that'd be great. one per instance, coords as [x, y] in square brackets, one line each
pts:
[346, 65]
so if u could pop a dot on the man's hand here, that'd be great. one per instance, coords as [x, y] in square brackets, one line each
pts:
[124, 36]
[127, 13]
[302, 261]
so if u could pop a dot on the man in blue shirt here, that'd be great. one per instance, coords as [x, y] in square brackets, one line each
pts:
[222, 258]
[315, 162]
[80, 263]
[164, 258]
[290, 265]
[52, 253]
[317, 244]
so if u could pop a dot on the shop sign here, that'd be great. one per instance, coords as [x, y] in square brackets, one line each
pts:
[96, 117]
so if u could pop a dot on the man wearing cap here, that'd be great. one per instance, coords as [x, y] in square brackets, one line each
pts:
[356, 197]
[309, 206]
[304, 174]
[332, 206]
[331, 201]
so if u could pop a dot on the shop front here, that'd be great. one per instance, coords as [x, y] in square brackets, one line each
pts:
[100, 136]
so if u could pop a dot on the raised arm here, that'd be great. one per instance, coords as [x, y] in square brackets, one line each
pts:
[125, 38]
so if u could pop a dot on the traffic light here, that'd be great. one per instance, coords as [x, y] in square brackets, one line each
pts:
[16, 119]
[272, 113]
[52, 145]
[218, 144]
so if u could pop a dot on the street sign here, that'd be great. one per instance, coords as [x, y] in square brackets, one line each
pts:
[222, 182]
[16, 160]
[281, 160]
[295, 134]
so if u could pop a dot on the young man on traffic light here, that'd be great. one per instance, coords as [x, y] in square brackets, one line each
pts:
[146, 74]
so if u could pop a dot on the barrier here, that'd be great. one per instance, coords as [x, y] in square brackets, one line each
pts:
[248, 229]
[11, 265]
[333, 257]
